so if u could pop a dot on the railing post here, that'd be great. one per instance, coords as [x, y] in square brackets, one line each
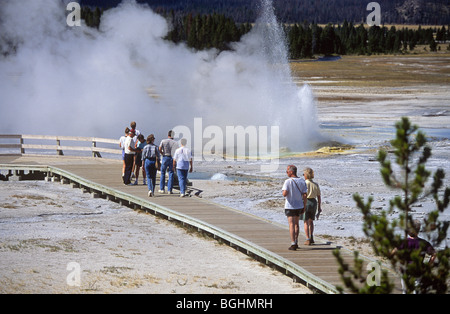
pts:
[95, 153]
[58, 144]
[22, 149]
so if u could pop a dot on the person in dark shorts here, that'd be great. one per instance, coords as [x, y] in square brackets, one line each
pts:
[294, 191]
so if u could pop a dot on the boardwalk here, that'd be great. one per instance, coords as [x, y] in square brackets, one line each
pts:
[315, 265]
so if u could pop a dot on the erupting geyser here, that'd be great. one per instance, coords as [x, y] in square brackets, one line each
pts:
[56, 79]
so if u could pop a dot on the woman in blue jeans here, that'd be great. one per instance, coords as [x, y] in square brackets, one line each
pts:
[182, 160]
[150, 154]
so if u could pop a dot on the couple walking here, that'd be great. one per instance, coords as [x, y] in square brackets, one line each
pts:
[302, 199]
[173, 157]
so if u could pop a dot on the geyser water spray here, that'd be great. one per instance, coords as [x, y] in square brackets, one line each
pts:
[61, 80]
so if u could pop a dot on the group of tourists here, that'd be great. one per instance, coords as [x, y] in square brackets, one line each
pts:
[302, 195]
[139, 152]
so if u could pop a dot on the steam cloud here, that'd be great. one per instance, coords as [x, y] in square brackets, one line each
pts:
[61, 80]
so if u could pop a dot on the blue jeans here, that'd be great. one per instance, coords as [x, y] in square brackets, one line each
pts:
[150, 170]
[182, 179]
[167, 163]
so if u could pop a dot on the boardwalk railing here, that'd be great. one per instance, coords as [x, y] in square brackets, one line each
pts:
[11, 144]
[263, 255]
[260, 239]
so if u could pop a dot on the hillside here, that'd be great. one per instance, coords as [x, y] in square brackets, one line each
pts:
[424, 12]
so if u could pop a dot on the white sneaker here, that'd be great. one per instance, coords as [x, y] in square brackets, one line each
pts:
[161, 192]
[182, 195]
[150, 194]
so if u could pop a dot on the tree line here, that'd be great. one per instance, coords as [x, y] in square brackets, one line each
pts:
[307, 40]
[206, 31]
[424, 12]
[92, 17]
[197, 31]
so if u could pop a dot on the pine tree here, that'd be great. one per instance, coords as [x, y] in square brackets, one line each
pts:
[362, 38]
[441, 34]
[417, 275]
[433, 45]
[327, 40]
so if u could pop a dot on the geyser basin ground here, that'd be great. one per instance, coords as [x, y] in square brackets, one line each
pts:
[376, 91]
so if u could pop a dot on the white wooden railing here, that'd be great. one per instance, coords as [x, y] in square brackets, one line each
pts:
[12, 144]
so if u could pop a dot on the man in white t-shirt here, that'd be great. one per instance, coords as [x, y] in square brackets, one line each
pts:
[122, 145]
[130, 151]
[294, 192]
